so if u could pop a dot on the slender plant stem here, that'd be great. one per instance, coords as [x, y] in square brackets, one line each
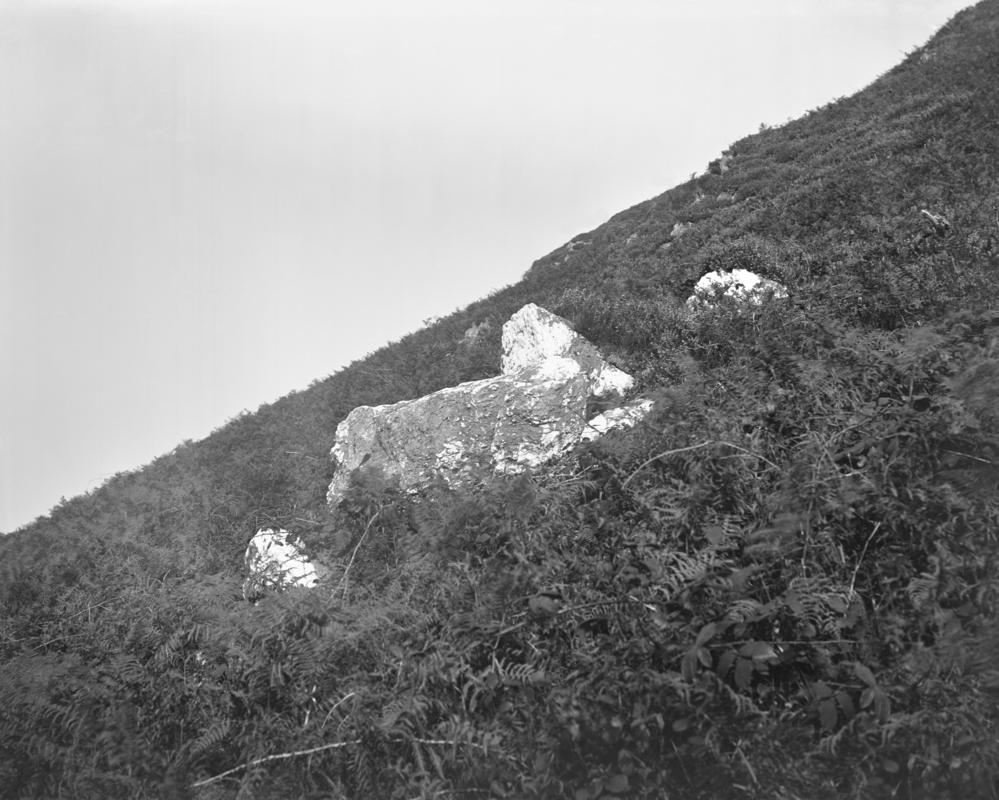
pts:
[343, 578]
[274, 757]
[708, 443]
[856, 569]
[313, 750]
[339, 703]
[665, 453]
[447, 742]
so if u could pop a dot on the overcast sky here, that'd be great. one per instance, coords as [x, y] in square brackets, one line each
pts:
[206, 205]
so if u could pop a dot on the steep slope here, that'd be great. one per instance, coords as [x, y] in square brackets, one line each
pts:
[783, 585]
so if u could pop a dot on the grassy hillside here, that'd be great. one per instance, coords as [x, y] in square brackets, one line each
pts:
[783, 584]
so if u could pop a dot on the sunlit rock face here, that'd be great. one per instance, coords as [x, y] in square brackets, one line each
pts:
[739, 284]
[273, 563]
[616, 419]
[539, 342]
[529, 415]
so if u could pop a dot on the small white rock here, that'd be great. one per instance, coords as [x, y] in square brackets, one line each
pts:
[740, 284]
[616, 419]
[274, 563]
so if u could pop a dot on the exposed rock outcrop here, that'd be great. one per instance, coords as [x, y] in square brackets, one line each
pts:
[615, 419]
[539, 343]
[530, 414]
[475, 332]
[273, 563]
[739, 284]
[679, 229]
[721, 165]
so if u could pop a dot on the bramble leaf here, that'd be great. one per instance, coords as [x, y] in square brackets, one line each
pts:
[827, 714]
[865, 674]
[705, 634]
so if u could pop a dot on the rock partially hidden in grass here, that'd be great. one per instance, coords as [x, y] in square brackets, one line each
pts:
[739, 284]
[531, 414]
[273, 564]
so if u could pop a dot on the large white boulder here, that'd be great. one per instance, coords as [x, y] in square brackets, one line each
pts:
[739, 284]
[541, 343]
[532, 413]
[273, 563]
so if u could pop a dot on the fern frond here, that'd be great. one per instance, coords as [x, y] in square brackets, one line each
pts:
[679, 570]
[743, 609]
[519, 674]
[819, 601]
[170, 648]
[363, 773]
[210, 740]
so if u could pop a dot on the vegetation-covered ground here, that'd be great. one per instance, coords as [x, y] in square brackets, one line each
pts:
[783, 584]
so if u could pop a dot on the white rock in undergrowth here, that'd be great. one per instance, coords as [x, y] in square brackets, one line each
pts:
[273, 564]
[476, 332]
[616, 419]
[529, 415]
[739, 284]
[680, 228]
